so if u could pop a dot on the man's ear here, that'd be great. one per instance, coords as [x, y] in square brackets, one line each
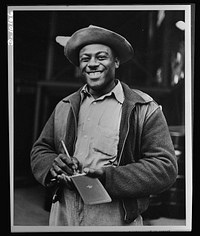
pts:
[117, 62]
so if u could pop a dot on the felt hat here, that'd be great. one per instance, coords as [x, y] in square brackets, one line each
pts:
[95, 35]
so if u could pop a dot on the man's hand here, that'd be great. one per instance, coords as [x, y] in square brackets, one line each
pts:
[63, 167]
[96, 173]
[62, 164]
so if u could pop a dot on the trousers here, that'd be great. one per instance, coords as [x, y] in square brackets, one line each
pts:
[70, 210]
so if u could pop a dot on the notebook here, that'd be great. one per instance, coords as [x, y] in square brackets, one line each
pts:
[90, 189]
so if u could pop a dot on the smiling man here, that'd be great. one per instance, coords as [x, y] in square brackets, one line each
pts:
[114, 133]
[98, 64]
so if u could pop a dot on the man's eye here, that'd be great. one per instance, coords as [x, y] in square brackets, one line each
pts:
[84, 59]
[102, 57]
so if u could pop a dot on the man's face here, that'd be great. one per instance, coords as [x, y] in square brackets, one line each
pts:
[98, 64]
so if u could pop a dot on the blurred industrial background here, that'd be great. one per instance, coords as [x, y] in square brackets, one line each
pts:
[43, 76]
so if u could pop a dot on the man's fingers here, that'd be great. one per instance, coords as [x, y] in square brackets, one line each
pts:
[77, 165]
[95, 173]
[53, 173]
[62, 166]
[67, 160]
[72, 163]
[64, 179]
[59, 170]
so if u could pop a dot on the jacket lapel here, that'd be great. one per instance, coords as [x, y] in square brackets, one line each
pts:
[72, 120]
[131, 99]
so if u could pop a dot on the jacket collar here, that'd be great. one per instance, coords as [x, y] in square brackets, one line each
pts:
[117, 92]
[132, 96]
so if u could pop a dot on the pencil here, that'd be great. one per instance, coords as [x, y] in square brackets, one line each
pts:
[67, 153]
[65, 149]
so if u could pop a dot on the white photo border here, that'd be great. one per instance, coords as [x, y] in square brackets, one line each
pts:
[188, 115]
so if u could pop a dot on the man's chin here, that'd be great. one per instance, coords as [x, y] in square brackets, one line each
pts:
[94, 83]
[95, 87]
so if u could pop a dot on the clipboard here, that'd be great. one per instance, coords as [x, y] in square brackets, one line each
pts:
[90, 189]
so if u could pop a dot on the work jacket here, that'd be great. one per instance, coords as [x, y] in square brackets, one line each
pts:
[146, 161]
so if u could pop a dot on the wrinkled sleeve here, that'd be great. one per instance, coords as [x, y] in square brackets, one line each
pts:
[43, 152]
[156, 169]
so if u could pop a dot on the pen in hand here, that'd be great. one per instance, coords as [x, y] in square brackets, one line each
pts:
[56, 179]
[67, 153]
[65, 149]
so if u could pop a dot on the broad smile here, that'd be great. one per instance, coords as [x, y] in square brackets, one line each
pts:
[94, 74]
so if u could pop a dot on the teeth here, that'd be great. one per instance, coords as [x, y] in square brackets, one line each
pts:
[94, 74]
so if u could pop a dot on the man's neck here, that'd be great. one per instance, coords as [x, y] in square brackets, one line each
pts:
[98, 93]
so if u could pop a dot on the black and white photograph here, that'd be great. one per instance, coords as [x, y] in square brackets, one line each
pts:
[100, 117]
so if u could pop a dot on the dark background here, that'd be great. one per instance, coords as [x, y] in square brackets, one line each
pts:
[43, 76]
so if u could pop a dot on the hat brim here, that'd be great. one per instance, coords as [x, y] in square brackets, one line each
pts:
[97, 35]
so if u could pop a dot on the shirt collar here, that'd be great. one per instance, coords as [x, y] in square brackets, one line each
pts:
[117, 91]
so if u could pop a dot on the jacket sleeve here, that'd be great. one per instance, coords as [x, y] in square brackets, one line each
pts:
[43, 152]
[156, 168]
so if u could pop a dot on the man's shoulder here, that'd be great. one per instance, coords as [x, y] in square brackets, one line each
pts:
[135, 95]
[143, 95]
[65, 102]
[72, 96]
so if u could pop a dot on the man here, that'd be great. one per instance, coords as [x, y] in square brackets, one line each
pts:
[112, 132]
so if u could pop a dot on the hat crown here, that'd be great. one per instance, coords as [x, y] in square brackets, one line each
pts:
[97, 35]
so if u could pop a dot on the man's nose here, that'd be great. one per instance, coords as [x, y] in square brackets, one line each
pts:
[93, 62]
